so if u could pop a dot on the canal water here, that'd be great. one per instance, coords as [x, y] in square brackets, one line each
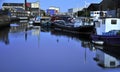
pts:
[36, 49]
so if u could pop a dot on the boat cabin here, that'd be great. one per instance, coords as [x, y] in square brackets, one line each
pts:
[107, 24]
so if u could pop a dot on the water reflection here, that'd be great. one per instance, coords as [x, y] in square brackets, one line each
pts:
[77, 37]
[46, 50]
[107, 56]
[21, 29]
[46, 29]
[18, 26]
[4, 35]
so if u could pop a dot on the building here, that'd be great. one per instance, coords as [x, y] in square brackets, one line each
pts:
[19, 13]
[111, 5]
[53, 10]
[35, 8]
[94, 7]
[11, 6]
[17, 10]
[72, 11]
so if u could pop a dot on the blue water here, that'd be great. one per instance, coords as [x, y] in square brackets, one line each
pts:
[33, 50]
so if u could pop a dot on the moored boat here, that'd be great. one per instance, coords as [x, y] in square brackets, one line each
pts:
[109, 38]
[37, 20]
[107, 31]
[71, 27]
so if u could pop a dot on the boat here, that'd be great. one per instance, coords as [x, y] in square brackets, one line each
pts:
[72, 27]
[66, 18]
[107, 31]
[109, 38]
[37, 20]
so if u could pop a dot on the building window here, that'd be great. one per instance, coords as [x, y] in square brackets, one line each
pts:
[113, 21]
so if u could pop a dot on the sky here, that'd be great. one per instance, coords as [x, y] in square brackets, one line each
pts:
[64, 5]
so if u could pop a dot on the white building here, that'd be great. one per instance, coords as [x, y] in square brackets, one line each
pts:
[73, 10]
[35, 8]
[11, 6]
[55, 8]
[97, 14]
[35, 5]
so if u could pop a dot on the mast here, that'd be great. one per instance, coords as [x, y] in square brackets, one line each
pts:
[25, 4]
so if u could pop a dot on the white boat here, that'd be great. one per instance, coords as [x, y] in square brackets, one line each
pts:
[106, 31]
[37, 20]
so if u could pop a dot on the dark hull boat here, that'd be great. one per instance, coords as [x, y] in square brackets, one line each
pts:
[113, 40]
[69, 27]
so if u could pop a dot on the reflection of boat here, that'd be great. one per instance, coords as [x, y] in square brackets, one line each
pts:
[84, 39]
[107, 56]
[70, 27]
[4, 35]
[67, 34]
[45, 29]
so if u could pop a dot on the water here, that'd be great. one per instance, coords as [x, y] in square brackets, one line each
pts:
[39, 49]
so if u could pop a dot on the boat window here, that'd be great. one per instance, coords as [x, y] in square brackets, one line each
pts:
[97, 24]
[112, 63]
[113, 21]
[103, 21]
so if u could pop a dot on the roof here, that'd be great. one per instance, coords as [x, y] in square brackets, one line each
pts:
[93, 7]
[28, 4]
[109, 4]
[13, 4]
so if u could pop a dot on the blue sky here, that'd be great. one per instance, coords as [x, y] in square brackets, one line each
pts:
[62, 4]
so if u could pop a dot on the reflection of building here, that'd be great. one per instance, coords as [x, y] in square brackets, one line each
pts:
[86, 44]
[19, 26]
[36, 31]
[21, 29]
[106, 60]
